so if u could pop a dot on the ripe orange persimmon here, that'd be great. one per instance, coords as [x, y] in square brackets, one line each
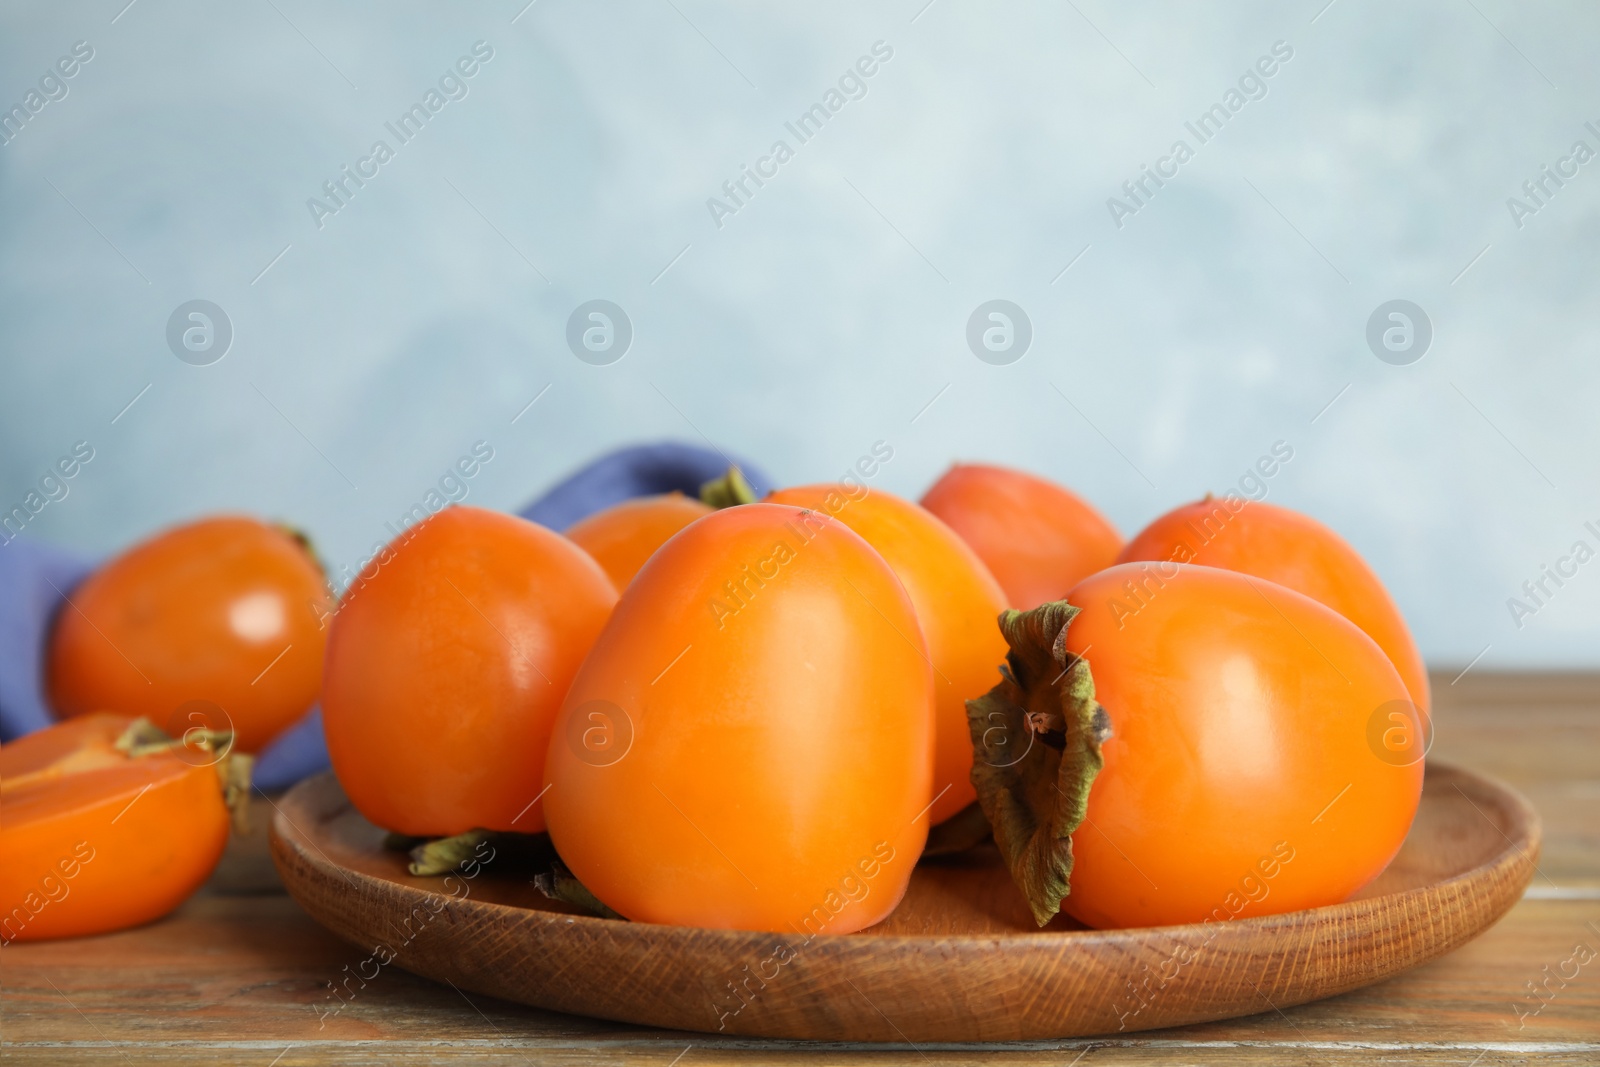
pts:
[623, 536]
[94, 839]
[749, 744]
[956, 600]
[227, 610]
[446, 666]
[1293, 550]
[1241, 776]
[1037, 539]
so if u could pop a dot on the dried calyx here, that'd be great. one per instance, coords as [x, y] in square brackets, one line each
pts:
[1036, 741]
[508, 853]
[558, 884]
[144, 738]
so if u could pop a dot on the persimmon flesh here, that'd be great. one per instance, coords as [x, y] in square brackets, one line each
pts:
[93, 839]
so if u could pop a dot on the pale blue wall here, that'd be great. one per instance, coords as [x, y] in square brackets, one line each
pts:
[832, 307]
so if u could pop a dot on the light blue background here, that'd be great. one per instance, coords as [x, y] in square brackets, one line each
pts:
[829, 311]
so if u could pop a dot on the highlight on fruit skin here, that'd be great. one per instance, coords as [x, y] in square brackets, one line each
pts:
[750, 743]
[106, 823]
[227, 610]
[445, 668]
[1037, 538]
[956, 601]
[622, 537]
[1296, 551]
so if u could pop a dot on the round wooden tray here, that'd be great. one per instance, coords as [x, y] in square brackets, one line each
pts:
[959, 960]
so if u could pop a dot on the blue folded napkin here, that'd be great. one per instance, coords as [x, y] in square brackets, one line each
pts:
[35, 580]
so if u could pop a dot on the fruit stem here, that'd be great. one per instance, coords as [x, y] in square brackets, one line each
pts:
[727, 491]
[308, 546]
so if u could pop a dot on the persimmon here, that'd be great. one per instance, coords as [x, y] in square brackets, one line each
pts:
[750, 743]
[1210, 757]
[1296, 551]
[956, 601]
[228, 610]
[446, 663]
[95, 836]
[623, 536]
[1037, 538]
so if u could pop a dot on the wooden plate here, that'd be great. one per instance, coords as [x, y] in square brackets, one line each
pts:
[959, 960]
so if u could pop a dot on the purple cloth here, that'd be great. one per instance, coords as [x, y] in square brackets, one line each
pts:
[297, 753]
[34, 580]
[641, 470]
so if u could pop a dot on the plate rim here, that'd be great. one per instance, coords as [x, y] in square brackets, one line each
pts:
[1486, 891]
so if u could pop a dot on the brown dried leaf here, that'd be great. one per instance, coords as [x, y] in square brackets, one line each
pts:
[1036, 741]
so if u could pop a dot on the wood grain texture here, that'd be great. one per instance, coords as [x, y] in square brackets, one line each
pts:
[958, 960]
[239, 980]
[247, 978]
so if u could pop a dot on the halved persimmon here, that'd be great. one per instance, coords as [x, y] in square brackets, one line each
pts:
[1037, 538]
[104, 827]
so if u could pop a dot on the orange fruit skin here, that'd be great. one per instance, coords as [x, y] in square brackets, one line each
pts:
[1293, 550]
[957, 602]
[1239, 780]
[773, 748]
[1037, 539]
[199, 612]
[445, 669]
[622, 537]
[107, 847]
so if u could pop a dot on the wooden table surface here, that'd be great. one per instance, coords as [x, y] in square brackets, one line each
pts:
[241, 975]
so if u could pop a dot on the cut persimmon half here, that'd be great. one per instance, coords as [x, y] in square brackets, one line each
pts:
[106, 823]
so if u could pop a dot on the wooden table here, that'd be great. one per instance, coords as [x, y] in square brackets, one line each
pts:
[238, 975]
